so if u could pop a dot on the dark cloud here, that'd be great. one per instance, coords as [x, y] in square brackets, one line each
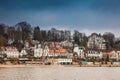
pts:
[103, 5]
[35, 4]
[106, 5]
[83, 15]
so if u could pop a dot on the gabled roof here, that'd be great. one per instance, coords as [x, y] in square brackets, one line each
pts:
[59, 51]
[110, 52]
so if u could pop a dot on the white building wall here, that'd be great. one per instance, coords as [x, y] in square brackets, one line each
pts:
[76, 49]
[38, 52]
[12, 52]
[96, 41]
[64, 60]
[94, 54]
[23, 52]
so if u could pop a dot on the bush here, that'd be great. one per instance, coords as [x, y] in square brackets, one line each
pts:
[1, 60]
[14, 60]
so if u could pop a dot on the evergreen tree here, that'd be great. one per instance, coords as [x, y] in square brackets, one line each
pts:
[37, 35]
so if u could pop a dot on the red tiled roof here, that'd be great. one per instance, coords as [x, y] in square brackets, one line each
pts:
[63, 50]
[51, 51]
[59, 51]
[108, 52]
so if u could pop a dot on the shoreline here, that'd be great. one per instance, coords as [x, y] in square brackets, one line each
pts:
[36, 65]
[27, 65]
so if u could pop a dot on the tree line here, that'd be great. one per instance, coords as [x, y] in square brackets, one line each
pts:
[17, 35]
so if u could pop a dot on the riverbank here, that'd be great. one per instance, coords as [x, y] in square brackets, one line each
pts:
[30, 65]
[36, 65]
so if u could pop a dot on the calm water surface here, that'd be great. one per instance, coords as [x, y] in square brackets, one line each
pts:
[60, 73]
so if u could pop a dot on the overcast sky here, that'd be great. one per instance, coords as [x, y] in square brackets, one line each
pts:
[83, 15]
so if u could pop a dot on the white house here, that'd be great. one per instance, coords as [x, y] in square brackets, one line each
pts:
[115, 55]
[38, 51]
[82, 52]
[94, 54]
[79, 51]
[23, 52]
[66, 44]
[11, 52]
[96, 41]
[118, 55]
[76, 49]
[46, 51]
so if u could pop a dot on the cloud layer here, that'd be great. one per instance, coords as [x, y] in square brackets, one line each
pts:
[83, 15]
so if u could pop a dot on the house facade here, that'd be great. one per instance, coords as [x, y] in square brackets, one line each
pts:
[66, 44]
[38, 51]
[80, 51]
[112, 55]
[23, 52]
[58, 52]
[92, 53]
[11, 52]
[96, 41]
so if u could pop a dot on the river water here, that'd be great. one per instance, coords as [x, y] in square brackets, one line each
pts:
[60, 73]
